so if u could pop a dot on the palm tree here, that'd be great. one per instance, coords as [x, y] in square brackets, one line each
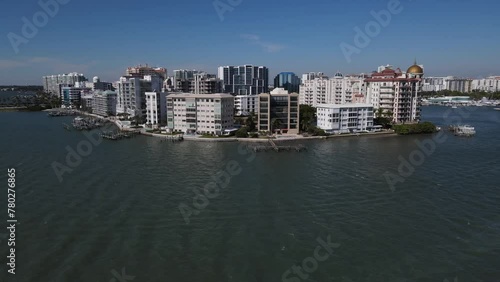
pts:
[275, 124]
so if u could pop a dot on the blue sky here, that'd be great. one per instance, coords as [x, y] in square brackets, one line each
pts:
[453, 37]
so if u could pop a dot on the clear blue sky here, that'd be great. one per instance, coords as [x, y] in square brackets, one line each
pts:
[452, 37]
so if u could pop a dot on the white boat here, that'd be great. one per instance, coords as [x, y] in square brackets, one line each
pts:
[496, 109]
[464, 130]
[454, 107]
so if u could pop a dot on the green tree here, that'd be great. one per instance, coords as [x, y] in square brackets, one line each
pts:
[307, 117]
[276, 123]
[242, 133]
[250, 123]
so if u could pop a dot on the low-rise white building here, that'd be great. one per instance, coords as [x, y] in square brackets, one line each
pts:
[347, 118]
[245, 104]
[200, 113]
[156, 108]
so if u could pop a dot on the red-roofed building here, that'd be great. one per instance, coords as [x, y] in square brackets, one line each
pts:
[396, 92]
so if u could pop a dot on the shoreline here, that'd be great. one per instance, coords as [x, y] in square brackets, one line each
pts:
[266, 140]
[121, 127]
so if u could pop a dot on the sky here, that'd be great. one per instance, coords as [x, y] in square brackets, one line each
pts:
[102, 38]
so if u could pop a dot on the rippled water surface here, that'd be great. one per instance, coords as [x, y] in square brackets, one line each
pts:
[120, 207]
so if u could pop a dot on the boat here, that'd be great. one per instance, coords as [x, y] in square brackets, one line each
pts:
[454, 107]
[496, 109]
[463, 130]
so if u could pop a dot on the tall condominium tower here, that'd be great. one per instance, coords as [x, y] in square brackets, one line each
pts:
[244, 80]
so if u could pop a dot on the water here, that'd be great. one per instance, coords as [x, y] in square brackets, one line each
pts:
[119, 209]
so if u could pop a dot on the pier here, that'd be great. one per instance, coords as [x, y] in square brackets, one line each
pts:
[273, 147]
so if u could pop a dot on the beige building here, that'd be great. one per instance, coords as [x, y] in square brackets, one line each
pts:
[200, 113]
[278, 112]
[396, 93]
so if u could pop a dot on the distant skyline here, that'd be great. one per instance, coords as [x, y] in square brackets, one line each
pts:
[102, 39]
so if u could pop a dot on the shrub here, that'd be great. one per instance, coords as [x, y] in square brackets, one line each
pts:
[242, 133]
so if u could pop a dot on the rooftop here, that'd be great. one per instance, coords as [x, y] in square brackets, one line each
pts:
[350, 105]
[191, 95]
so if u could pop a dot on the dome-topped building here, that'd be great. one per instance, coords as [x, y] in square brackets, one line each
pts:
[416, 70]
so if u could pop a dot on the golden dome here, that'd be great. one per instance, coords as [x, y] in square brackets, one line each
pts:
[415, 69]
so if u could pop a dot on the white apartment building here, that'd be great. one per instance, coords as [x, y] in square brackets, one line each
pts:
[104, 103]
[200, 113]
[396, 93]
[335, 90]
[311, 76]
[489, 84]
[129, 98]
[463, 85]
[245, 104]
[51, 83]
[131, 90]
[347, 118]
[430, 84]
[156, 108]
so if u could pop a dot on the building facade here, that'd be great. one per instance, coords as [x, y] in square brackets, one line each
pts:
[156, 108]
[489, 84]
[462, 85]
[396, 93]
[200, 113]
[245, 104]
[335, 90]
[51, 83]
[288, 81]
[244, 80]
[347, 118]
[278, 112]
[141, 71]
[131, 93]
[71, 96]
[104, 103]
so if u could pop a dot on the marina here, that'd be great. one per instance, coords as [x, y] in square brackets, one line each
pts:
[87, 123]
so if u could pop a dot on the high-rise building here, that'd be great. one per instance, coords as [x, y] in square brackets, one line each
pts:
[71, 96]
[430, 84]
[97, 84]
[131, 98]
[278, 112]
[200, 113]
[288, 81]
[156, 108]
[311, 76]
[336, 90]
[462, 85]
[104, 103]
[489, 84]
[52, 83]
[396, 93]
[196, 82]
[244, 80]
[245, 104]
[141, 71]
